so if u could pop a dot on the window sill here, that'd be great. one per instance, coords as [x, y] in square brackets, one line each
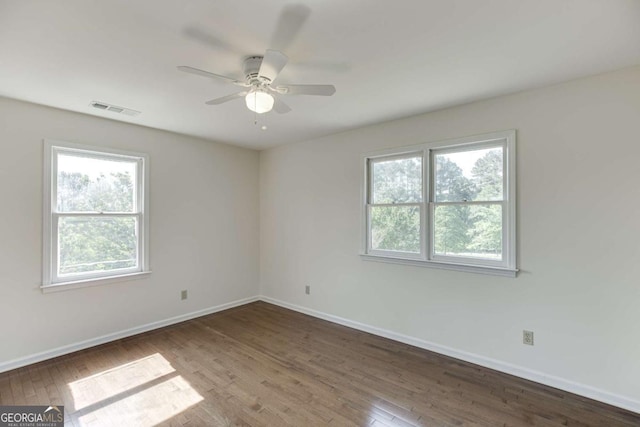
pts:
[480, 269]
[97, 281]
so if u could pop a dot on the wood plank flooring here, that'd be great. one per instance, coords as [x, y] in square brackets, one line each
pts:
[262, 365]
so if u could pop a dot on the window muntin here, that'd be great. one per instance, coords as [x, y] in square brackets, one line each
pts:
[96, 216]
[466, 206]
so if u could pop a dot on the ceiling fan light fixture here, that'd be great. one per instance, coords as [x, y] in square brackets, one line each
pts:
[259, 101]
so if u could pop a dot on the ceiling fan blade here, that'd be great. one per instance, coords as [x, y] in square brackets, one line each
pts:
[227, 98]
[203, 73]
[272, 63]
[210, 39]
[322, 90]
[279, 106]
[290, 22]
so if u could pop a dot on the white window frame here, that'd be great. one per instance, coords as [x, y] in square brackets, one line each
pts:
[370, 205]
[427, 257]
[51, 281]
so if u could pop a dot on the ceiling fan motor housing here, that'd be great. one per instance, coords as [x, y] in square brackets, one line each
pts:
[251, 69]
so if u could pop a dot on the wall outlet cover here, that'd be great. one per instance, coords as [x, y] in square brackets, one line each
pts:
[527, 337]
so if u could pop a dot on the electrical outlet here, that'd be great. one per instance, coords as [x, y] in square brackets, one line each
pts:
[307, 290]
[183, 295]
[527, 337]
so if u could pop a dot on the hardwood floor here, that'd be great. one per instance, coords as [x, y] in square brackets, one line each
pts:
[262, 365]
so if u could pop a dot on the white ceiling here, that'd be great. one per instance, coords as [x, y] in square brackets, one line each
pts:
[386, 59]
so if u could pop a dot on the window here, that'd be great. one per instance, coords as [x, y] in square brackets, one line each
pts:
[396, 205]
[448, 204]
[95, 214]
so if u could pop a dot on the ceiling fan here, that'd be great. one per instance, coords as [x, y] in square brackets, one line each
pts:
[261, 94]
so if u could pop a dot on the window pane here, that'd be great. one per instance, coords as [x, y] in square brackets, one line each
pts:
[88, 184]
[94, 244]
[395, 228]
[397, 181]
[468, 231]
[474, 175]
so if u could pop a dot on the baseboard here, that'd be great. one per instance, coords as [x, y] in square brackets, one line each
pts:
[60, 351]
[529, 374]
[518, 371]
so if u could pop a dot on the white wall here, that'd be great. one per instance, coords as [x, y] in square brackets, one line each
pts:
[204, 231]
[578, 154]
[579, 250]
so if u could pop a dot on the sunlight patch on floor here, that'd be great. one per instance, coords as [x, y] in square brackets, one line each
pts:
[106, 384]
[143, 392]
[147, 407]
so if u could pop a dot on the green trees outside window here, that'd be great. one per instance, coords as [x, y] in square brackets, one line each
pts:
[100, 242]
[395, 214]
[468, 210]
[468, 191]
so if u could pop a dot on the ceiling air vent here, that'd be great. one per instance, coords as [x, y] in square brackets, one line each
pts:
[114, 108]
